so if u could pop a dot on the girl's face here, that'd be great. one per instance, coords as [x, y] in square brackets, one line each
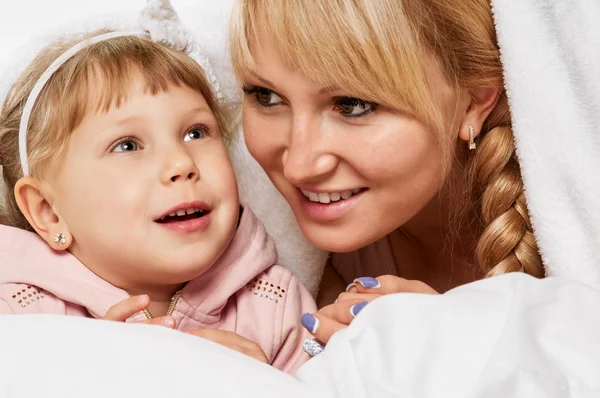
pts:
[147, 189]
[352, 171]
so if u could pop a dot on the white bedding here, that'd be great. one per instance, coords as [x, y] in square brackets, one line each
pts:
[511, 336]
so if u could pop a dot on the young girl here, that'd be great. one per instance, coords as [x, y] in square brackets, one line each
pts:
[123, 205]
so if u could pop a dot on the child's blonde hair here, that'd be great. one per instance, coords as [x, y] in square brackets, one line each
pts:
[378, 50]
[96, 78]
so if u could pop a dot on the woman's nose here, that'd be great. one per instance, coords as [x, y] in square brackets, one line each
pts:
[308, 156]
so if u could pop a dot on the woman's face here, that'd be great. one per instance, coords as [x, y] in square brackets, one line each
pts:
[352, 171]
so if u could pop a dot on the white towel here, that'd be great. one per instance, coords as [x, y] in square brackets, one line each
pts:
[551, 55]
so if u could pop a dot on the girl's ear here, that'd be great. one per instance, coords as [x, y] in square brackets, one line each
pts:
[483, 102]
[41, 216]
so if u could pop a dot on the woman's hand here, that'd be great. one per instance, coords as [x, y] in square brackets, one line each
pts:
[132, 305]
[337, 316]
[233, 341]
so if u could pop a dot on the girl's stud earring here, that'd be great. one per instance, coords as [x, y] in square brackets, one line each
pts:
[60, 239]
[472, 144]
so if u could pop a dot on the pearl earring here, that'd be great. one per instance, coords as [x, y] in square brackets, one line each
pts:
[472, 144]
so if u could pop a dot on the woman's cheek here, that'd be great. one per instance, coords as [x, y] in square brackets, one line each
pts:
[263, 137]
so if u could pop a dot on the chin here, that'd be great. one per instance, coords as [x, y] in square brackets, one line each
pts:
[335, 239]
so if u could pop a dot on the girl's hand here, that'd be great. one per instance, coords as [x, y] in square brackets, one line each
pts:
[337, 316]
[128, 307]
[233, 341]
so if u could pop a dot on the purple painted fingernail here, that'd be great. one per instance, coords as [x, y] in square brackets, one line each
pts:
[367, 282]
[310, 323]
[350, 286]
[356, 308]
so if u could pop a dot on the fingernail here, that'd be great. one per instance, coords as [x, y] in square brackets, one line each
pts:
[310, 323]
[356, 308]
[168, 321]
[312, 347]
[367, 282]
[350, 286]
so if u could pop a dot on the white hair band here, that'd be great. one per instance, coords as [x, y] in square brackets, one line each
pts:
[41, 83]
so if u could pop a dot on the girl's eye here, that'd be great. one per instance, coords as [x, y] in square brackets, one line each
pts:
[126, 145]
[353, 107]
[194, 134]
[263, 97]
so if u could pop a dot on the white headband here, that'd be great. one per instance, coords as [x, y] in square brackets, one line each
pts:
[39, 86]
[160, 24]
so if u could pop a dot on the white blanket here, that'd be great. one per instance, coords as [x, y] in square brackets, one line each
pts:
[511, 336]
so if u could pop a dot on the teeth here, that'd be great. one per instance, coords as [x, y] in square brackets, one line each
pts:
[183, 212]
[325, 198]
[346, 194]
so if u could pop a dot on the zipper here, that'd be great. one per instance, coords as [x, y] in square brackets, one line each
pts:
[174, 300]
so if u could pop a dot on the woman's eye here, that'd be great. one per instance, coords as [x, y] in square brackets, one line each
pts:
[194, 134]
[353, 107]
[263, 97]
[125, 146]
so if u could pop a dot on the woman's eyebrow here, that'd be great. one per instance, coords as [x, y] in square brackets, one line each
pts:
[329, 89]
[324, 90]
[262, 79]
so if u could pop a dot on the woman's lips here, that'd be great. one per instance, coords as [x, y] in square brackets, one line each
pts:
[334, 209]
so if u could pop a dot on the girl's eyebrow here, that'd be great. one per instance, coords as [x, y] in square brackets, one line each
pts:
[199, 109]
[126, 120]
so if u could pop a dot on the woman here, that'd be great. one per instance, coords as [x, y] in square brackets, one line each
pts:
[386, 127]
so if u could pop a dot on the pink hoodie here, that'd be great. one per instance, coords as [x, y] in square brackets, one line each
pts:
[243, 292]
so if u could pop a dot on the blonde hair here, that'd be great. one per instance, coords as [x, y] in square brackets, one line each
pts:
[379, 50]
[70, 95]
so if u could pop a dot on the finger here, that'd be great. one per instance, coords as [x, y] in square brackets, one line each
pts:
[344, 311]
[321, 326]
[357, 297]
[388, 284]
[126, 308]
[166, 321]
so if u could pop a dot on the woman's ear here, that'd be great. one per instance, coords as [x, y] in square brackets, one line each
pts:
[38, 211]
[483, 102]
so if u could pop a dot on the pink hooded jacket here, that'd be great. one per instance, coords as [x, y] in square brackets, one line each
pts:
[243, 292]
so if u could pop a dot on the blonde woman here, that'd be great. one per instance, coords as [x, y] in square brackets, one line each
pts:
[386, 127]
